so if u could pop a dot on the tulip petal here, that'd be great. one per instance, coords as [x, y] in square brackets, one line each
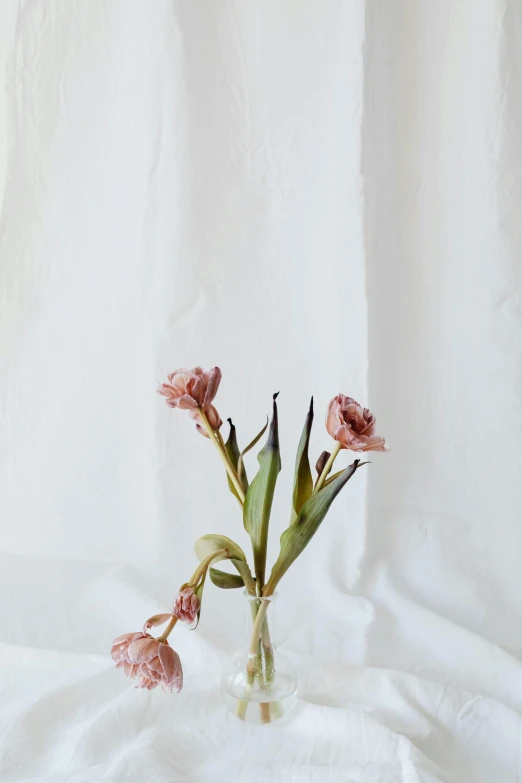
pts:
[186, 402]
[172, 669]
[126, 637]
[213, 385]
[142, 650]
[157, 619]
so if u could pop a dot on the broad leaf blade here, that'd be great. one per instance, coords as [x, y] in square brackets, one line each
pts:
[297, 536]
[259, 497]
[303, 481]
[234, 454]
[212, 542]
[224, 580]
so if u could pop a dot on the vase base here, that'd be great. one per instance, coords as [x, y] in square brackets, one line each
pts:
[257, 711]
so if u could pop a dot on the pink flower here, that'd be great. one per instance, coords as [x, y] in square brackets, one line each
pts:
[191, 388]
[186, 606]
[194, 390]
[153, 662]
[353, 426]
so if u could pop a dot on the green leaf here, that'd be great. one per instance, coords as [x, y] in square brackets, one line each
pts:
[303, 481]
[212, 542]
[199, 593]
[332, 478]
[233, 452]
[251, 446]
[224, 580]
[246, 574]
[297, 536]
[259, 497]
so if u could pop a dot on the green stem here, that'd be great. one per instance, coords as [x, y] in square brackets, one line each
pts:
[327, 468]
[255, 663]
[256, 630]
[168, 629]
[217, 441]
[202, 568]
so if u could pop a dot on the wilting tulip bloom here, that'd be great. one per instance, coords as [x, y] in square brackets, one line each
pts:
[194, 390]
[186, 605]
[151, 661]
[352, 425]
[191, 388]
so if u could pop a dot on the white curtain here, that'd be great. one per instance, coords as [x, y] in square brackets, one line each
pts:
[319, 197]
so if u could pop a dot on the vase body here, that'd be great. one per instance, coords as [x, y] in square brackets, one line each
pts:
[259, 684]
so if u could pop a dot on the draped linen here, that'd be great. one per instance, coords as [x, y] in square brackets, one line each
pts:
[319, 198]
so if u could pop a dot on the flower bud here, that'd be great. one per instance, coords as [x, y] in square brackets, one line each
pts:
[321, 462]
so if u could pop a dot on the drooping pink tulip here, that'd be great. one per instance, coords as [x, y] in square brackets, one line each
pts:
[353, 426]
[186, 605]
[151, 661]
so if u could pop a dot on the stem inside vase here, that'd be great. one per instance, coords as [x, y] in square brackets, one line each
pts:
[260, 665]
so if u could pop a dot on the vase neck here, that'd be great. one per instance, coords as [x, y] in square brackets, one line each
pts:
[260, 618]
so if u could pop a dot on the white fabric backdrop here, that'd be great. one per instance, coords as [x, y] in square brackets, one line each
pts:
[318, 197]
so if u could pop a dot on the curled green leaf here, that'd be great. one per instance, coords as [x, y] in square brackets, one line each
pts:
[213, 542]
[225, 581]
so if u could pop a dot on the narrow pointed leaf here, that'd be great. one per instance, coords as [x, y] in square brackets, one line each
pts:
[212, 542]
[259, 497]
[296, 537]
[332, 478]
[224, 580]
[303, 481]
[233, 452]
[251, 446]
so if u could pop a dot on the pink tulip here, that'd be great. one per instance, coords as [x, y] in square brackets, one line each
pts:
[186, 606]
[153, 662]
[194, 390]
[353, 426]
[191, 388]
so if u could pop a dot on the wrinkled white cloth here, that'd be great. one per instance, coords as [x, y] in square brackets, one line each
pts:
[320, 198]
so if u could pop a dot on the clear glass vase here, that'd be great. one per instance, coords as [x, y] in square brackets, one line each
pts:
[259, 684]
